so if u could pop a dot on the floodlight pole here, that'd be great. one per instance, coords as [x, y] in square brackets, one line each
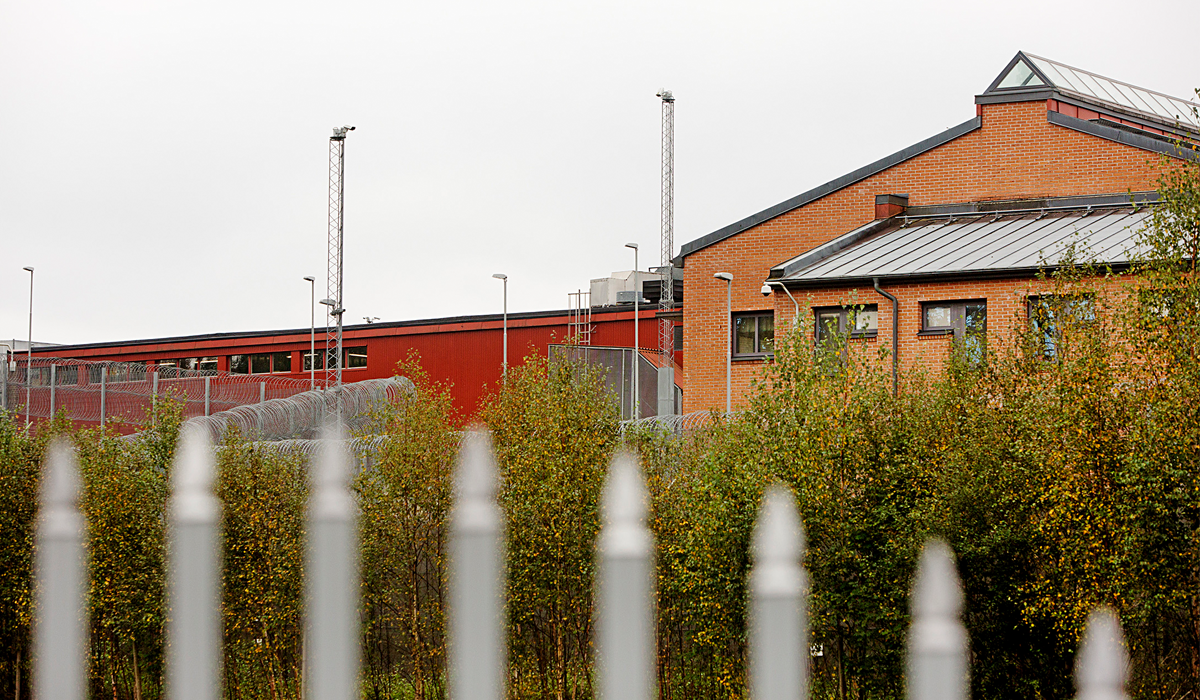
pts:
[312, 332]
[637, 293]
[504, 358]
[337, 200]
[29, 351]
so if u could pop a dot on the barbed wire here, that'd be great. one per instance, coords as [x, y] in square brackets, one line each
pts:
[94, 390]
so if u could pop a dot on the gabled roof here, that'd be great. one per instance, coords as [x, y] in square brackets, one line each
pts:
[1026, 77]
[1029, 73]
[1006, 242]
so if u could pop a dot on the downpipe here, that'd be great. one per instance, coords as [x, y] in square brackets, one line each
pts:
[895, 336]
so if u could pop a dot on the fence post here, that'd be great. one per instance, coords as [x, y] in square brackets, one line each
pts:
[778, 605]
[154, 398]
[262, 392]
[103, 392]
[937, 642]
[625, 628]
[1102, 667]
[52, 374]
[60, 599]
[476, 634]
[207, 395]
[193, 574]
[331, 577]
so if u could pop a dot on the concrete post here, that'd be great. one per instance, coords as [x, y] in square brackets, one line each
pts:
[52, 375]
[208, 396]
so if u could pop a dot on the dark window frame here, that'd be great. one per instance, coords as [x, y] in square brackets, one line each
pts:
[759, 352]
[844, 314]
[958, 315]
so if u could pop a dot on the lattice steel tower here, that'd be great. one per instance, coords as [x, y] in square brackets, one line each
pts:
[666, 327]
[334, 353]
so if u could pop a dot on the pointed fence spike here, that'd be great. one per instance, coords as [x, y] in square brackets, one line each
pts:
[937, 642]
[778, 602]
[60, 622]
[331, 575]
[625, 625]
[477, 644]
[194, 573]
[1102, 667]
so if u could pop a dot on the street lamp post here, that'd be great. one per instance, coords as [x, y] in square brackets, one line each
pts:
[29, 351]
[637, 294]
[728, 339]
[504, 360]
[312, 331]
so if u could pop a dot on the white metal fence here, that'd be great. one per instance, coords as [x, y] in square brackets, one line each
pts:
[624, 602]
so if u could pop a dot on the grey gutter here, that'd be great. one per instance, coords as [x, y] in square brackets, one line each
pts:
[998, 273]
[829, 187]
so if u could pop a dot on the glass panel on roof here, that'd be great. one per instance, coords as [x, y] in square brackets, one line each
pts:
[1021, 75]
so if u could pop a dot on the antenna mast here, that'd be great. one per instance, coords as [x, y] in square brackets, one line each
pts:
[666, 327]
[333, 335]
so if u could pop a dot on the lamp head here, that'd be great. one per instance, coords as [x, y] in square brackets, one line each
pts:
[27, 269]
[328, 302]
[723, 276]
[500, 276]
[631, 245]
[310, 278]
[766, 289]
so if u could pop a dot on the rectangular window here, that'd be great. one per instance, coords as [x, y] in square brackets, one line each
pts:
[965, 320]
[957, 317]
[753, 334]
[207, 364]
[308, 360]
[855, 321]
[678, 338]
[239, 364]
[260, 363]
[356, 357]
[1050, 316]
[281, 362]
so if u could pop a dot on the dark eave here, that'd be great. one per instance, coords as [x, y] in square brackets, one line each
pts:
[829, 188]
[1123, 136]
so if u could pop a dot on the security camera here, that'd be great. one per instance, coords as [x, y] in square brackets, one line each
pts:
[766, 289]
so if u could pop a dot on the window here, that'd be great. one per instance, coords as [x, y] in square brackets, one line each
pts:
[965, 320]
[260, 363]
[856, 321]
[1049, 316]
[678, 338]
[239, 364]
[308, 360]
[753, 334]
[356, 357]
[281, 362]
[198, 363]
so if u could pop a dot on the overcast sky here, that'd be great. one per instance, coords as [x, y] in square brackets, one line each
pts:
[164, 165]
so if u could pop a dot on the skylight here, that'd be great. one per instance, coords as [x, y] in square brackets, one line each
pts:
[1034, 71]
[1020, 76]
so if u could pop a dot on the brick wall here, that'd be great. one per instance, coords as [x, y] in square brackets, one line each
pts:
[1016, 154]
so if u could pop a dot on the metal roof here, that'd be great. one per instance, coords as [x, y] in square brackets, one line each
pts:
[995, 243]
[1027, 71]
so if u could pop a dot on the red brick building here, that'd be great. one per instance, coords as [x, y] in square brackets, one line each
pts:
[940, 239]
